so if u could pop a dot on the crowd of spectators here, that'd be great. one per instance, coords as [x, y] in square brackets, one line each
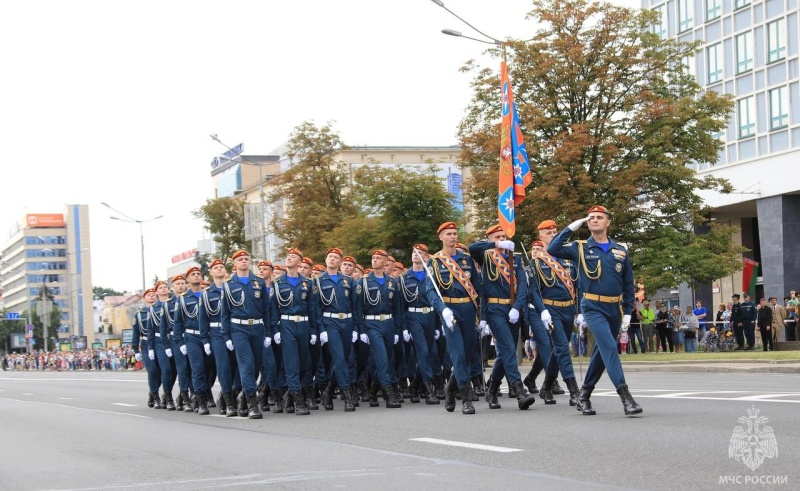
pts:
[88, 359]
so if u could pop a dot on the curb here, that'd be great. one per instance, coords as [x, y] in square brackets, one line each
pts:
[702, 362]
[711, 369]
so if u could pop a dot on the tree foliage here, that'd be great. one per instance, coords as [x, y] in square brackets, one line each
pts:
[224, 218]
[610, 116]
[101, 292]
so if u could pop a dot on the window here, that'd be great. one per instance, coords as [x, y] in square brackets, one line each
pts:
[713, 9]
[776, 43]
[661, 27]
[688, 66]
[747, 117]
[719, 135]
[714, 57]
[778, 108]
[737, 4]
[685, 15]
[744, 52]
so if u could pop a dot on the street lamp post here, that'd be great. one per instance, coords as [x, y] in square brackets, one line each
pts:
[141, 232]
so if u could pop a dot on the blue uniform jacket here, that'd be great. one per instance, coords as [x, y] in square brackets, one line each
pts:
[614, 267]
[499, 287]
[372, 298]
[549, 287]
[170, 309]
[188, 317]
[240, 301]
[413, 290]
[140, 328]
[154, 321]
[336, 297]
[286, 299]
[454, 288]
[210, 310]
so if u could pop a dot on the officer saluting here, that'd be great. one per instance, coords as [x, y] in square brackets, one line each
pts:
[244, 315]
[606, 278]
[140, 324]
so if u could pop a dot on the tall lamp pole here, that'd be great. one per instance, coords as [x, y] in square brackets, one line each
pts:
[141, 232]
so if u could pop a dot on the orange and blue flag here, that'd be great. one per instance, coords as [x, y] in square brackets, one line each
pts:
[515, 169]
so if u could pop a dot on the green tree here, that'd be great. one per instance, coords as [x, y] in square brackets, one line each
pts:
[101, 292]
[224, 218]
[610, 116]
[357, 236]
[314, 187]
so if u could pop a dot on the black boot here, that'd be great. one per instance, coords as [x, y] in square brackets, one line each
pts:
[263, 403]
[151, 402]
[187, 402]
[157, 404]
[202, 404]
[289, 402]
[404, 388]
[572, 386]
[438, 384]
[221, 404]
[277, 394]
[450, 394]
[169, 404]
[413, 390]
[557, 390]
[349, 399]
[391, 397]
[373, 394]
[524, 401]
[477, 386]
[354, 393]
[195, 403]
[530, 383]
[362, 387]
[243, 403]
[230, 405]
[210, 399]
[631, 407]
[397, 393]
[309, 398]
[253, 412]
[512, 392]
[430, 397]
[179, 404]
[327, 397]
[472, 394]
[466, 400]
[492, 389]
[546, 392]
[300, 408]
[585, 405]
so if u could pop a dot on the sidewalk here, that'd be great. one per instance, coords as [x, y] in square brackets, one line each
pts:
[716, 366]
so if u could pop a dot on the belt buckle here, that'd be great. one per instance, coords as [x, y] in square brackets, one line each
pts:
[249, 322]
[383, 317]
[425, 310]
[341, 316]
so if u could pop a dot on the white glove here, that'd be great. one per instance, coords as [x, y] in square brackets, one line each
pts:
[577, 224]
[267, 342]
[168, 352]
[313, 339]
[505, 244]
[487, 330]
[207, 347]
[355, 336]
[626, 321]
[406, 336]
[482, 325]
[581, 327]
[396, 338]
[138, 356]
[546, 317]
[364, 339]
[449, 318]
[277, 338]
[436, 335]
[151, 354]
[323, 337]
[579, 321]
[183, 349]
[513, 315]
[229, 345]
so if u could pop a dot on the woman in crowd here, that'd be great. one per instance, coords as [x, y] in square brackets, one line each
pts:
[690, 333]
[664, 326]
[677, 333]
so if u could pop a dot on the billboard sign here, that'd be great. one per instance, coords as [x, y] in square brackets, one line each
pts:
[127, 336]
[227, 156]
[16, 340]
[44, 220]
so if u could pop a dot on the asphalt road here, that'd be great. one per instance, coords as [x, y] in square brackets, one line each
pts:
[94, 431]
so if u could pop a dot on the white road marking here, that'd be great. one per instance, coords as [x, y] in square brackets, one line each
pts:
[476, 446]
[123, 404]
[75, 407]
[66, 398]
[60, 380]
[774, 397]
[27, 394]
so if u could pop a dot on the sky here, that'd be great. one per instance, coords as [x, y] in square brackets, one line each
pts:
[114, 101]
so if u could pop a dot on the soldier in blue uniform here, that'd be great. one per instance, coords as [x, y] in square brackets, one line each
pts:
[379, 310]
[357, 361]
[159, 347]
[140, 342]
[747, 316]
[505, 295]
[293, 324]
[605, 279]
[186, 333]
[334, 300]
[420, 323]
[553, 294]
[211, 327]
[244, 314]
[268, 382]
[459, 283]
[183, 369]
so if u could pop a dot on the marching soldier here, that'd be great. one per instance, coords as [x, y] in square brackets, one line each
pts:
[159, 347]
[244, 315]
[140, 341]
[293, 324]
[211, 328]
[505, 292]
[334, 299]
[186, 332]
[357, 361]
[553, 294]
[458, 282]
[606, 279]
[171, 307]
[268, 384]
